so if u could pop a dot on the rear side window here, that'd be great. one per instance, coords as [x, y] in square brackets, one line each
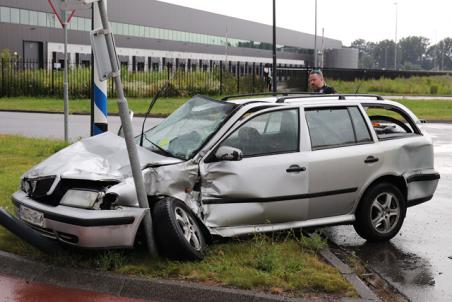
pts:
[336, 127]
[390, 123]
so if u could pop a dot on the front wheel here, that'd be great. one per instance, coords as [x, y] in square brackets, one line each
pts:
[380, 213]
[177, 231]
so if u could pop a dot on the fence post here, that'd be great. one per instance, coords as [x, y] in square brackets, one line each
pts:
[53, 80]
[254, 75]
[238, 76]
[221, 77]
[3, 77]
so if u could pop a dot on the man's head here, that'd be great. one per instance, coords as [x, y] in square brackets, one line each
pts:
[316, 80]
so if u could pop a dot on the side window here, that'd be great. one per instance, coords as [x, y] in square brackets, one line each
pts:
[336, 127]
[390, 123]
[268, 133]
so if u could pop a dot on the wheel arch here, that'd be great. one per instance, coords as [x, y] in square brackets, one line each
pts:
[205, 230]
[396, 180]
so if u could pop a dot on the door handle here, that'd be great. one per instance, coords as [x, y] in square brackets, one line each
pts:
[371, 159]
[295, 169]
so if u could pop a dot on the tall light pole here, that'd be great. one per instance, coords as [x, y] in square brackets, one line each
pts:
[315, 35]
[395, 38]
[274, 48]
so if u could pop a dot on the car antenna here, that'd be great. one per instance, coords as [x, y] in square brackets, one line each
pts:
[154, 99]
[359, 86]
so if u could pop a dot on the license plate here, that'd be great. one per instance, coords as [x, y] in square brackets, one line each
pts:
[31, 216]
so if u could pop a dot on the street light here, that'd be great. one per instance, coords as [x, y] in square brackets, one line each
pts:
[395, 38]
[315, 35]
[274, 49]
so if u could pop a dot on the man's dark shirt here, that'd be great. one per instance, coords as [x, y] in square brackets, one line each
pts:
[326, 90]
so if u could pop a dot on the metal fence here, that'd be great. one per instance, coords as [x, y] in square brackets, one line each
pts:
[34, 79]
[28, 78]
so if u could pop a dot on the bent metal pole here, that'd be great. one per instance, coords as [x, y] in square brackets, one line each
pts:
[128, 132]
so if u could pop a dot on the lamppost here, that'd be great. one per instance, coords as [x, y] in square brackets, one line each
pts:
[274, 48]
[315, 35]
[395, 38]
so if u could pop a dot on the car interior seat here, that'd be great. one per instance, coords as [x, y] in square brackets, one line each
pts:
[250, 141]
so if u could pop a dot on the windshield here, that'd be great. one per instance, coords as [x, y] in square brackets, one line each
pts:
[183, 133]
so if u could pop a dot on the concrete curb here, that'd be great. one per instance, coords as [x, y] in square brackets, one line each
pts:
[364, 292]
[126, 286]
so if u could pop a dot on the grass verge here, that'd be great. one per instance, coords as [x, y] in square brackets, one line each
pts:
[430, 85]
[163, 106]
[285, 264]
[431, 110]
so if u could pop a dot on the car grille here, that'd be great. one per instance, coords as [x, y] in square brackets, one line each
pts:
[37, 187]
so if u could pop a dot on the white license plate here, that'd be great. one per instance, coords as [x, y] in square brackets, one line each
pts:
[31, 216]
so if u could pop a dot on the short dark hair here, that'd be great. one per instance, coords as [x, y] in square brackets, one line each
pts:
[316, 71]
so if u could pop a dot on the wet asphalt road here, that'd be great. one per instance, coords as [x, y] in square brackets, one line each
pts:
[52, 125]
[418, 261]
[18, 290]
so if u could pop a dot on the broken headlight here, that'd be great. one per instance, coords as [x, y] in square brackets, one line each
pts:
[86, 199]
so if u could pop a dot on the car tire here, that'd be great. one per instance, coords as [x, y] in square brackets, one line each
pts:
[381, 212]
[178, 233]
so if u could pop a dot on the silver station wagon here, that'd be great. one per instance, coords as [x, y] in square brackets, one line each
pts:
[238, 166]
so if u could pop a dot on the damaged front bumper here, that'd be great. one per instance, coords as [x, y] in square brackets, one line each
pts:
[81, 227]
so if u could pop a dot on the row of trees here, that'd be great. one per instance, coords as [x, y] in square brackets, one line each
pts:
[413, 53]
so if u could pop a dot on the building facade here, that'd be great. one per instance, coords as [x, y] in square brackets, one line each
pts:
[150, 33]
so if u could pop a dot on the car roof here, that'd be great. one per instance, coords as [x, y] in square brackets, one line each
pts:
[311, 100]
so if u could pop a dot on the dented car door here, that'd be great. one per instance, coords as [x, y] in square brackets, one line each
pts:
[268, 185]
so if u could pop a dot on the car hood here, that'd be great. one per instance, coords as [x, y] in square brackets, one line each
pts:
[102, 157]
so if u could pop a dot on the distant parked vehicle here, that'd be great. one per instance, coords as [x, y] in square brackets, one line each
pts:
[239, 166]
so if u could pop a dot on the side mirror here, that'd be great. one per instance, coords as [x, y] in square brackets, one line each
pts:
[121, 131]
[229, 153]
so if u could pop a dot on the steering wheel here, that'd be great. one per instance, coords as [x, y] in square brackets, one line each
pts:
[391, 120]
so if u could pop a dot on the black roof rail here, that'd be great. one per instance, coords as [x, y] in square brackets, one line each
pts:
[320, 95]
[378, 97]
[237, 96]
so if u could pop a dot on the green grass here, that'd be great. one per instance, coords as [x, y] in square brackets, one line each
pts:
[279, 264]
[433, 85]
[436, 110]
[430, 110]
[163, 106]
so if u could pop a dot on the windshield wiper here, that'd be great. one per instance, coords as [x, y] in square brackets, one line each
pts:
[165, 152]
[156, 96]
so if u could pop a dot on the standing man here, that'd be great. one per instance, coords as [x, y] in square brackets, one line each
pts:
[268, 76]
[317, 82]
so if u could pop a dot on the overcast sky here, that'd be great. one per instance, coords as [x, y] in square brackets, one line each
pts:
[346, 20]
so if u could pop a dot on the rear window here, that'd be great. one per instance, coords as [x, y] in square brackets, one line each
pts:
[390, 122]
[336, 127]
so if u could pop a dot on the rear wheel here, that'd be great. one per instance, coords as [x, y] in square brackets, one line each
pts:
[177, 231]
[381, 212]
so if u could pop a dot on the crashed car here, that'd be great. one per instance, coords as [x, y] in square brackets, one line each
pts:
[238, 166]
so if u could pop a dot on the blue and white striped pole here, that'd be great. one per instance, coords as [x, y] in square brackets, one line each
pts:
[100, 123]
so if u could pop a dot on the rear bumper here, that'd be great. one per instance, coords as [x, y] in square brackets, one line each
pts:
[421, 185]
[82, 227]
